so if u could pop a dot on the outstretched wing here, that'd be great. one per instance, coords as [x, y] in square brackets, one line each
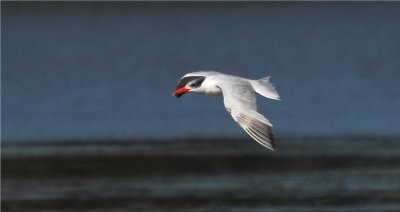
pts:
[240, 102]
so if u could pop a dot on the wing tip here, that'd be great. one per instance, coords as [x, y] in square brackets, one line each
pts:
[258, 129]
[266, 141]
[271, 145]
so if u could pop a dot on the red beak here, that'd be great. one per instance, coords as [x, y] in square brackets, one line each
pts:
[179, 92]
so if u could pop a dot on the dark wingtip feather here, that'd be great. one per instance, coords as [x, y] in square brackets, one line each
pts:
[259, 131]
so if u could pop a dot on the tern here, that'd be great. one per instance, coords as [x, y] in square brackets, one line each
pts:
[239, 99]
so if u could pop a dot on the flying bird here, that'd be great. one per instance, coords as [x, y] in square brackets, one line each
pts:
[239, 99]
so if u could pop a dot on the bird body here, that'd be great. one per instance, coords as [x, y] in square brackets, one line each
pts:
[239, 99]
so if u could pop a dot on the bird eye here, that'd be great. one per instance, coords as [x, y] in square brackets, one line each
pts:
[192, 85]
[195, 83]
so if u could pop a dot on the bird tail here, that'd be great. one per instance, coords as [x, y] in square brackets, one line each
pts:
[265, 88]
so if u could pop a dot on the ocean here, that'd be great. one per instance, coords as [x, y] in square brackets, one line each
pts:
[309, 174]
[75, 71]
[89, 123]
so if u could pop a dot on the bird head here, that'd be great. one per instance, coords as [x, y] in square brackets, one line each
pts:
[188, 84]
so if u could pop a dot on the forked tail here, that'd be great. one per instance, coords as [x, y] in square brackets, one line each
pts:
[265, 88]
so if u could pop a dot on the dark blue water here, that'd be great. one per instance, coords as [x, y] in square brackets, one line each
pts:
[107, 70]
[102, 75]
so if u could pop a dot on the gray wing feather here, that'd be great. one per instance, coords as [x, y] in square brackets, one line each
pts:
[240, 102]
[258, 130]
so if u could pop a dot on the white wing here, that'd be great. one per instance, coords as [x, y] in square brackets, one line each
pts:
[265, 88]
[240, 102]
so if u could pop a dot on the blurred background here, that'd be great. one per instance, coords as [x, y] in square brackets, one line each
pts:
[93, 80]
[107, 70]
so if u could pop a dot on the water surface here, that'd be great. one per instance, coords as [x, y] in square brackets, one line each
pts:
[317, 174]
